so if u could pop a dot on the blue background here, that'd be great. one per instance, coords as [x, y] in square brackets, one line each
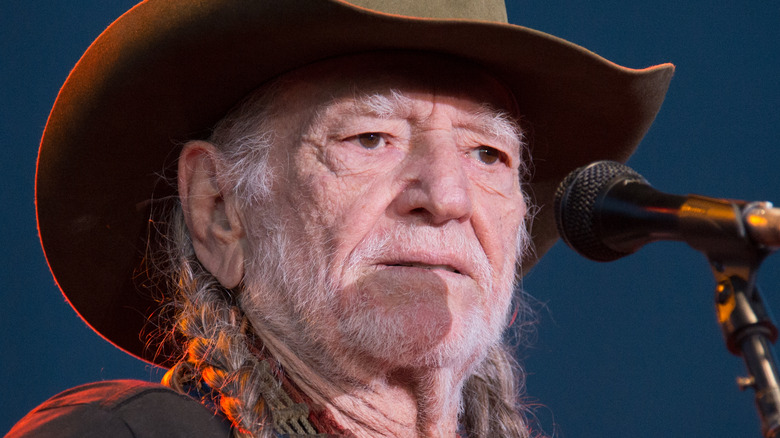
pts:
[629, 348]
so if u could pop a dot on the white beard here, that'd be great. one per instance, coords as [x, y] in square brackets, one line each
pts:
[421, 328]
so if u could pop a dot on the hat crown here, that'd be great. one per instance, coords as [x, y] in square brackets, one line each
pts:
[487, 10]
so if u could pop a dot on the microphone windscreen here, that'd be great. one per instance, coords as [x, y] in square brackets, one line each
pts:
[575, 207]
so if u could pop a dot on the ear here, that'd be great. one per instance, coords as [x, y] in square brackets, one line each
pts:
[211, 214]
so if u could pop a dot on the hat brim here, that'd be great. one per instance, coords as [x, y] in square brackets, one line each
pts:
[165, 72]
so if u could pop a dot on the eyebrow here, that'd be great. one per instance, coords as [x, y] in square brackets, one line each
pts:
[488, 120]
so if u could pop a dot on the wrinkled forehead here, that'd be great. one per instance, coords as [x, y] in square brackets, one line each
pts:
[321, 83]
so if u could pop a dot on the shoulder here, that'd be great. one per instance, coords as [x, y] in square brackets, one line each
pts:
[121, 408]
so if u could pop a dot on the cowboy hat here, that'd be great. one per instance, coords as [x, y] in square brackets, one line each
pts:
[166, 71]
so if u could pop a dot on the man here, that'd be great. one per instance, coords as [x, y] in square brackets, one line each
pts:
[340, 253]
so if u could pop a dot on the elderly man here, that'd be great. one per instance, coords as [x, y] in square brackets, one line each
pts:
[339, 256]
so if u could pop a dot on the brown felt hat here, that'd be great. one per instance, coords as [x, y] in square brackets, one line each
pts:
[167, 70]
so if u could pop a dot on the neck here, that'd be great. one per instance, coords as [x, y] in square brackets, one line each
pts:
[377, 402]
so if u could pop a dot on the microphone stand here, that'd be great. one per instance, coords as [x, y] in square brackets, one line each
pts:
[749, 332]
[747, 326]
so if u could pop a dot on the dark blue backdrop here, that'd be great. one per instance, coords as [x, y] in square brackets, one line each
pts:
[629, 348]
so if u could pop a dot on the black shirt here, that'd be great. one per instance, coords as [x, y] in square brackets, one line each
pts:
[121, 409]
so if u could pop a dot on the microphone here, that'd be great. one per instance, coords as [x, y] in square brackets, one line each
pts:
[606, 211]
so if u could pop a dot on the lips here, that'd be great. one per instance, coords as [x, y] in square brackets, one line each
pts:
[426, 266]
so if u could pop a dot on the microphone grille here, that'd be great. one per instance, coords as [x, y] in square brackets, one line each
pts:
[575, 201]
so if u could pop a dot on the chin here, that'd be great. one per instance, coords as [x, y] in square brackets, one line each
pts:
[418, 328]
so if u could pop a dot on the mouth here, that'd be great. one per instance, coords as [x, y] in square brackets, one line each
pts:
[447, 268]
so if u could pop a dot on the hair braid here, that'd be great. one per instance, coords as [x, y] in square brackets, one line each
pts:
[216, 363]
[491, 398]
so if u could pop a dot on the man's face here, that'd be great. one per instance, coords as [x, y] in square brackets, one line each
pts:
[392, 230]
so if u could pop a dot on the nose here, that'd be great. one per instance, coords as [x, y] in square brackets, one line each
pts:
[436, 185]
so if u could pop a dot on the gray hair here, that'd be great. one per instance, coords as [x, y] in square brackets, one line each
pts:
[220, 356]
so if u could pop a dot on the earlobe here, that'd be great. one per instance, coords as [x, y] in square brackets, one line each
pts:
[211, 213]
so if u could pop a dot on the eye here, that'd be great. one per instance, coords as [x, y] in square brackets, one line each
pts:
[370, 140]
[487, 155]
